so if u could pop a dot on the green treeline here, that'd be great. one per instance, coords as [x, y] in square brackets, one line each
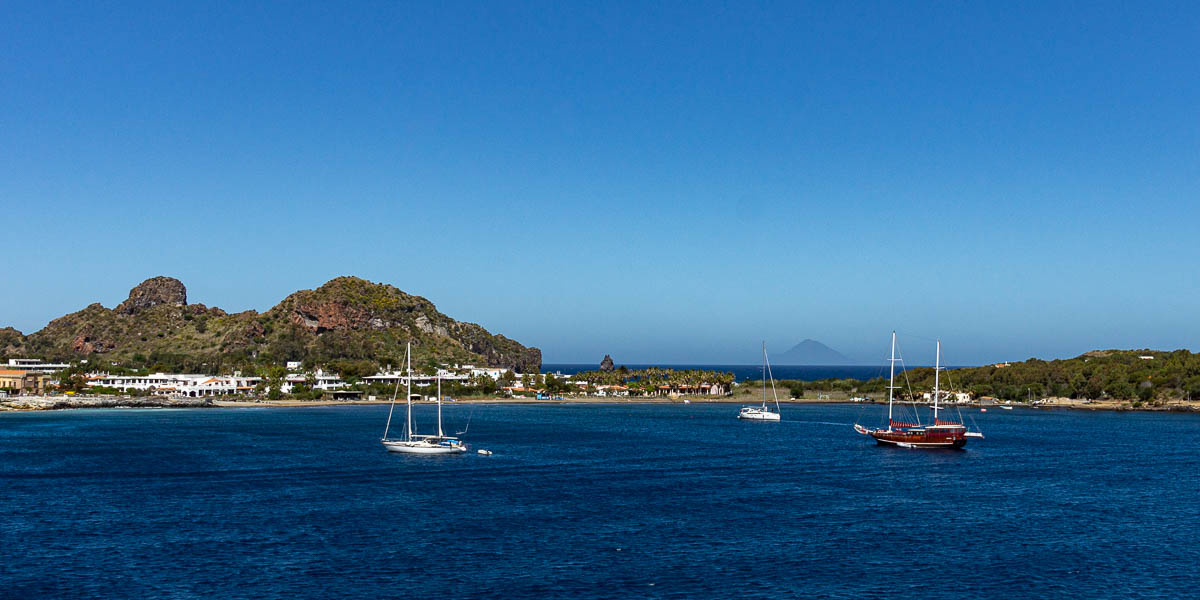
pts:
[647, 381]
[1108, 374]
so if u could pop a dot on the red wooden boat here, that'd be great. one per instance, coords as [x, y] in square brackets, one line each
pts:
[941, 434]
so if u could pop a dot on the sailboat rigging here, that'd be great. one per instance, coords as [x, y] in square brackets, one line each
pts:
[412, 443]
[943, 433]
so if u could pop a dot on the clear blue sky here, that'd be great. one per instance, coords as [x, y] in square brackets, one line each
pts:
[665, 183]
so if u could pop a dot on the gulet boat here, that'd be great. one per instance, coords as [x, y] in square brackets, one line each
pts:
[943, 433]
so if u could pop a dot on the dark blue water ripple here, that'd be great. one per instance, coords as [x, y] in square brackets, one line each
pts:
[659, 501]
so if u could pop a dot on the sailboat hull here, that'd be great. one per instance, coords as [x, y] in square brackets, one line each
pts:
[954, 444]
[940, 434]
[919, 439]
[758, 414]
[423, 447]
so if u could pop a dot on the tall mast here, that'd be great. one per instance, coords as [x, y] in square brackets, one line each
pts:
[439, 405]
[764, 375]
[408, 395]
[937, 368]
[392, 407]
[767, 364]
[891, 379]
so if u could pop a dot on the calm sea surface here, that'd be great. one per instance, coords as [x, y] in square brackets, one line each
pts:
[595, 501]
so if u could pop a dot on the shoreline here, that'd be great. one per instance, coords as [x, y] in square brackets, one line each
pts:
[48, 403]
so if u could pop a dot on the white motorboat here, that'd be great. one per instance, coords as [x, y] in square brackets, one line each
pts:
[483, 452]
[419, 444]
[763, 413]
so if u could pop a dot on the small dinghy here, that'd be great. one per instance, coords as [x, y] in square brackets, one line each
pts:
[483, 452]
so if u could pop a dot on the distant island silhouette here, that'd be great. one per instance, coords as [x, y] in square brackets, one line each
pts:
[812, 352]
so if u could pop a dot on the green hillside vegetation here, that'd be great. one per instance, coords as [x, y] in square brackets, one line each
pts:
[348, 325]
[1097, 375]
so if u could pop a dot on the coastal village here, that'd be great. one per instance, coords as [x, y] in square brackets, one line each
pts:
[32, 383]
[339, 343]
[35, 377]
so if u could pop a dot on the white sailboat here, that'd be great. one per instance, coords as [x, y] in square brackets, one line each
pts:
[411, 442]
[763, 413]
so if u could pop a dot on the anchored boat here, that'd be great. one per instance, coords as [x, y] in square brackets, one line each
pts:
[763, 413]
[412, 443]
[943, 433]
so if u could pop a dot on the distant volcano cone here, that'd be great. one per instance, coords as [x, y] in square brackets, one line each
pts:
[812, 352]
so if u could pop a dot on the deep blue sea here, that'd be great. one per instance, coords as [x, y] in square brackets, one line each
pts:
[744, 372]
[595, 501]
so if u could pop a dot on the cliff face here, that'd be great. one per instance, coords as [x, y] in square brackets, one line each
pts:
[354, 318]
[347, 318]
[154, 320]
[153, 292]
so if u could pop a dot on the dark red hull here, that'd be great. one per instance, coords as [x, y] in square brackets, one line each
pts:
[918, 441]
[939, 436]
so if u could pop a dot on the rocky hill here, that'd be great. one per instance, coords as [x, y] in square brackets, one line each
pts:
[347, 319]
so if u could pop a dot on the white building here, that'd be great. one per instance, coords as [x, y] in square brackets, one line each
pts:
[418, 379]
[34, 365]
[322, 381]
[176, 384]
[944, 396]
[494, 372]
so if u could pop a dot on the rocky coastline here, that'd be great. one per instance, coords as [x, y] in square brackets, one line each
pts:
[26, 403]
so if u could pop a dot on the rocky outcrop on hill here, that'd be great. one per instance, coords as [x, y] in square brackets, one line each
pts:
[356, 318]
[12, 342]
[346, 319]
[607, 363]
[153, 292]
[84, 344]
